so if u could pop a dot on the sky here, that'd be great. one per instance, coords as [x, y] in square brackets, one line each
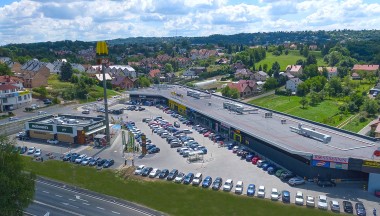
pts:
[27, 21]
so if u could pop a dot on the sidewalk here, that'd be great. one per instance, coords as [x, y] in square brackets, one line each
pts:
[367, 128]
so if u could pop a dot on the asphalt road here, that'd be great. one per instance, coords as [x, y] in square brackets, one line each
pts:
[59, 199]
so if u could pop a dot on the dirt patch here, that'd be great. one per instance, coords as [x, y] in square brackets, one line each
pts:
[128, 172]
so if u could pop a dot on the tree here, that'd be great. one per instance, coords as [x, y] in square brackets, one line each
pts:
[335, 86]
[371, 106]
[168, 68]
[234, 93]
[17, 186]
[226, 91]
[4, 69]
[265, 67]
[276, 69]
[311, 59]
[314, 98]
[304, 102]
[302, 89]
[270, 83]
[286, 51]
[143, 81]
[66, 71]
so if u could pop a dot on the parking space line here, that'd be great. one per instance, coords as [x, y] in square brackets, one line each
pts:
[85, 204]
[115, 212]
[58, 195]
[46, 192]
[99, 207]
[72, 200]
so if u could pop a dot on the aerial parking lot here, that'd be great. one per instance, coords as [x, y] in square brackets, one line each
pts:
[213, 160]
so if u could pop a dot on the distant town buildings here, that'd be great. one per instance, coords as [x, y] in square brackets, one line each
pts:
[12, 93]
[34, 74]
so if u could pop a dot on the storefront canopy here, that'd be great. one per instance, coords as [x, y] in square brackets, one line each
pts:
[95, 130]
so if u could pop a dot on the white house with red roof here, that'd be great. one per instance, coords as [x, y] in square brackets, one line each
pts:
[294, 70]
[12, 93]
[331, 71]
[292, 84]
[368, 68]
[245, 87]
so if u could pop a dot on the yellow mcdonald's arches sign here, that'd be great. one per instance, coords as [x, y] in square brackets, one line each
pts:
[101, 48]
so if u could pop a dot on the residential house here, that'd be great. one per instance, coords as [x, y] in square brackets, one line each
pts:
[121, 70]
[287, 75]
[293, 47]
[193, 71]
[237, 65]
[154, 73]
[99, 76]
[221, 61]
[14, 66]
[355, 76]
[12, 93]
[331, 71]
[313, 47]
[123, 82]
[245, 87]
[243, 74]
[34, 74]
[368, 68]
[182, 62]
[260, 76]
[295, 70]
[292, 84]
[165, 58]
[94, 69]
[167, 77]
[202, 53]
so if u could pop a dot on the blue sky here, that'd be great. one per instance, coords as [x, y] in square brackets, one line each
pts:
[25, 21]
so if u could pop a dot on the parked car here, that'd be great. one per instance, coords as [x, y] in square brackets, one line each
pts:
[52, 141]
[163, 174]
[322, 202]
[360, 209]
[334, 206]
[86, 161]
[279, 172]
[261, 191]
[347, 207]
[37, 153]
[23, 150]
[73, 157]
[31, 150]
[310, 202]
[79, 159]
[251, 190]
[255, 159]
[228, 185]
[179, 178]
[299, 198]
[188, 178]
[207, 182]
[13, 119]
[197, 179]
[154, 150]
[146, 171]
[187, 131]
[108, 163]
[239, 187]
[155, 172]
[326, 183]
[296, 181]
[217, 183]
[86, 112]
[377, 193]
[249, 157]
[285, 196]
[139, 169]
[177, 125]
[285, 176]
[172, 175]
[101, 163]
[94, 161]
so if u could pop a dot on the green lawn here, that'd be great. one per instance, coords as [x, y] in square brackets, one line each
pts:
[290, 59]
[326, 112]
[164, 196]
[355, 125]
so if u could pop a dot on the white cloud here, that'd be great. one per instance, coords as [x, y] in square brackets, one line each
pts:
[51, 20]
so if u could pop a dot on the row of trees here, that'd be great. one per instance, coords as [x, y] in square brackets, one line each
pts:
[230, 92]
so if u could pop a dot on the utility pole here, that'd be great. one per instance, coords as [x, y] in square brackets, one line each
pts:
[102, 58]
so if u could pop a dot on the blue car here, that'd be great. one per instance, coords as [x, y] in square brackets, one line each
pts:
[150, 146]
[207, 182]
[108, 163]
[249, 157]
[188, 178]
[154, 150]
[231, 146]
[272, 170]
[285, 196]
[251, 190]
[265, 166]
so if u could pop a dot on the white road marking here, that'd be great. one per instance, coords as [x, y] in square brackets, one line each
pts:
[85, 204]
[58, 195]
[55, 207]
[72, 200]
[99, 207]
[115, 212]
[64, 203]
[46, 192]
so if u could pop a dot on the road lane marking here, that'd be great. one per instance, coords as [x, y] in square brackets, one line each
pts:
[55, 207]
[85, 203]
[58, 195]
[72, 200]
[46, 192]
[99, 207]
[115, 212]
[65, 203]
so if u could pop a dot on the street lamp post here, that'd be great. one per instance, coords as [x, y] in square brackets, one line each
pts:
[102, 57]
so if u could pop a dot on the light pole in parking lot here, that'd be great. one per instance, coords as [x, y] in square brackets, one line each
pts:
[102, 58]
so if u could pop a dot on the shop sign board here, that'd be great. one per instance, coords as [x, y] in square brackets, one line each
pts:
[64, 129]
[331, 159]
[44, 127]
[334, 165]
[374, 164]
[319, 163]
[94, 126]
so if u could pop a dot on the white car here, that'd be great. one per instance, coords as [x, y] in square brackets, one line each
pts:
[179, 178]
[228, 185]
[310, 202]
[261, 192]
[296, 181]
[275, 195]
[86, 161]
[37, 153]
[334, 205]
[187, 131]
[31, 150]
[164, 135]
[197, 179]
[41, 112]
[52, 141]
[80, 158]
[322, 202]
[239, 187]
[299, 198]
[154, 173]
[139, 169]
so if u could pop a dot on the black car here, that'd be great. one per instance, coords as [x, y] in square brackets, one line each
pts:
[23, 149]
[163, 174]
[347, 207]
[146, 171]
[286, 176]
[172, 175]
[94, 161]
[67, 157]
[108, 163]
[360, 209]
[73, 157]
[217, 183]
[188, 178]
[101, 162]
[326, 183]
[285, 196]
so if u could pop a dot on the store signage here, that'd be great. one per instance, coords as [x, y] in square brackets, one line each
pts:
[319, 163]
[94, 126]
[142, 96]
[331, 159]
[63, 129]
[43, 127]
[374, 164]
[334, 165]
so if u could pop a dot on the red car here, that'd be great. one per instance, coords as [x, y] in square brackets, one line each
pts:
[377, 193]
[255, 159]
[207, 134]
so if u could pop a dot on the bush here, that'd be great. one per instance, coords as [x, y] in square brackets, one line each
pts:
[281, 92]
[362, 119]
[56, 101]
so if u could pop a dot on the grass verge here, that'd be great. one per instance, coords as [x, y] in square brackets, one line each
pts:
[167, 197]
[355, 125]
